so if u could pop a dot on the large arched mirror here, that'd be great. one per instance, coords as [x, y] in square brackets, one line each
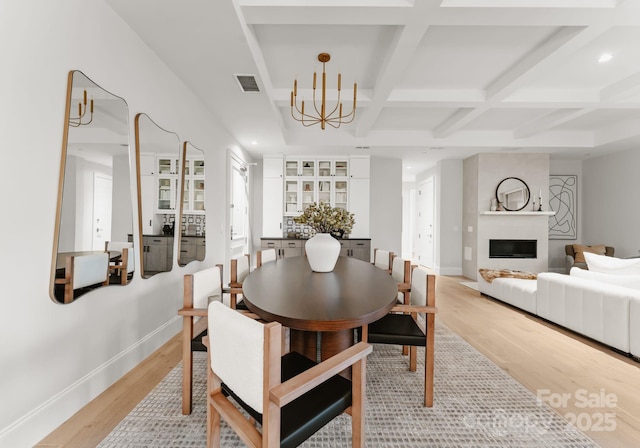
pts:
[158, 157]
[191, 245]
[513, 194]
[94, 225]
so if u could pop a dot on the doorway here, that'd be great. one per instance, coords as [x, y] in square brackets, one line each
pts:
[101, 215]
[238, 207]
[425, 223]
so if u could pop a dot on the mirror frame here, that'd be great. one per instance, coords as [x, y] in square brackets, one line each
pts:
[178, 196]
[61, 181]
[525, 186]
[180, 216]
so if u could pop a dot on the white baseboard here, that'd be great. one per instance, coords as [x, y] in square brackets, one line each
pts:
[37, 424]
[449, 271]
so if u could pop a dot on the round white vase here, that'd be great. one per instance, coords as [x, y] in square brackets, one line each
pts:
[323, 251]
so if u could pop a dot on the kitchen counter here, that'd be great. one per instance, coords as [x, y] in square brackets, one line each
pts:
[297, 239]
[294, 247]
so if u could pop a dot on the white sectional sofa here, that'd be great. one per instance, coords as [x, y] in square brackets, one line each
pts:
[603, 307]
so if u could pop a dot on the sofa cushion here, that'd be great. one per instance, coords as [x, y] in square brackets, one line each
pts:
[612, 265]
[580, 249]
[628, 281]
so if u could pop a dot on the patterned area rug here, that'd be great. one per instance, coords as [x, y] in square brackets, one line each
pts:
[476, 404]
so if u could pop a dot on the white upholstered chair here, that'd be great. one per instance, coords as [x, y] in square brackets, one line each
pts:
[82, 271]
[291, 396]
[382, 259]
[200, 289]
[240, 268]
[265, 256]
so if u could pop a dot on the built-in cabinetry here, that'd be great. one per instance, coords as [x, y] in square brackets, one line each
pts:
[191, 249]
[284, 247]
[193, 197]
[293, 183]
[288, 247]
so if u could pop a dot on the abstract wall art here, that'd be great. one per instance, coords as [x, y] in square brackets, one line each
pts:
[563, 191]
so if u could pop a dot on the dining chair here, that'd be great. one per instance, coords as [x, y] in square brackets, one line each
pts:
[290, 396]
[240, 268]
[265, 256]
[125, 266]
[401, 273]
[399, 328]
[382, 259]
[83, 271]
[200, 288]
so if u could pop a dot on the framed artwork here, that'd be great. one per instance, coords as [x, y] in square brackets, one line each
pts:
[563, 191]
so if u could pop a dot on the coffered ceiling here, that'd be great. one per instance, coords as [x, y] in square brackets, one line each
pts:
[436, 78]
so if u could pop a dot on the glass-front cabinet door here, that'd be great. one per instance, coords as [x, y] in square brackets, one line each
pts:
[340, 195]
[308, 193]
[324, 191]
[167, 187]
[333, 168]
[291, 197]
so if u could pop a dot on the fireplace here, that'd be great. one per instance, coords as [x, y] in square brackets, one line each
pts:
[513, 248]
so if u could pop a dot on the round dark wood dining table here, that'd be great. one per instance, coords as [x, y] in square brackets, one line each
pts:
[321, 309]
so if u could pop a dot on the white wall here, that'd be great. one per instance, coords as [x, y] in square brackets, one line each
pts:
[385, 217]
[610, 207]
[56, 358]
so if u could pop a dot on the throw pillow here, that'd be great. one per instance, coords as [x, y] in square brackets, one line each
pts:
[612, 265]
[628, 281]
[579, 249]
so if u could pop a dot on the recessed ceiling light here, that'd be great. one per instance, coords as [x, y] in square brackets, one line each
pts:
[253, 142]
[408, 167]
[605, 57]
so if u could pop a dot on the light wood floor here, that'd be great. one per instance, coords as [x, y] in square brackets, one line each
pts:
[539, 355]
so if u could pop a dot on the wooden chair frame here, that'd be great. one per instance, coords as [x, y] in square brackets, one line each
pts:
[391, 256]
[191, 328]
[235, 287]
[67, 281]
[259, 257]
[277, 394]
[430, 310]
[122, 266]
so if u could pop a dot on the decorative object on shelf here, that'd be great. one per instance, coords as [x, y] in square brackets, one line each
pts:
[323, 249]
[494, 205]
[513, 194]
[335, 117]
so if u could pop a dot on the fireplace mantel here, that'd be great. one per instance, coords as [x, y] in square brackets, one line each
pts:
[531, 213]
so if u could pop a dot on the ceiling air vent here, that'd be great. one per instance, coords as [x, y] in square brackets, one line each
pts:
[247, 83]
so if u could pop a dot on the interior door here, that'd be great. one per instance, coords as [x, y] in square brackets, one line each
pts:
[102, 193]
[425, 223]
[239, 206]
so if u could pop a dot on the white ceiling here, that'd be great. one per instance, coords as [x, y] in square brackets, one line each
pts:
[436, 79]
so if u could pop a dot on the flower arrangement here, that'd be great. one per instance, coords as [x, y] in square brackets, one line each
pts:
[326, 219]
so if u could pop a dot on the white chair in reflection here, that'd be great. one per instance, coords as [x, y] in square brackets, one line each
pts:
[126, 264]
[83, 271]
[265, 256]
[382, 259]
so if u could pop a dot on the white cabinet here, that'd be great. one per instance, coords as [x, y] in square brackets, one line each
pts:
[338, 167]
[167, 183]
[300, 167]
[193, 194]
[359, 192]
[272, 194]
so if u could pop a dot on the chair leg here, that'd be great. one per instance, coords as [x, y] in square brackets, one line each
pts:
[357, 404]
[187, 364]
[213, 417]
[429, 361]
[413, 358]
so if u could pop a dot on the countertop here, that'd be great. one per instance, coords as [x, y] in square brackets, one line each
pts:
[296, 239]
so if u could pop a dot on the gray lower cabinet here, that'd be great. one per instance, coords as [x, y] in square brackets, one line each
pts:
[284, 247]
[191, 249]
[158, 251]
[356, 248]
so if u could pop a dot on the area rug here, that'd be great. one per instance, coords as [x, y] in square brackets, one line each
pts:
[476, 404]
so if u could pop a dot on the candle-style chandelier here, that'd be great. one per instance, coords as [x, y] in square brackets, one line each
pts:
[333, 118]
[82, 111]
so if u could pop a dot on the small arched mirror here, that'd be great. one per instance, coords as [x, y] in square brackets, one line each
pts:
[191, 245]
[158, 156]
[513, 194]
[93, 245]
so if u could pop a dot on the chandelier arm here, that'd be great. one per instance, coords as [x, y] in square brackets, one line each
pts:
[329, 115]
[315, 106]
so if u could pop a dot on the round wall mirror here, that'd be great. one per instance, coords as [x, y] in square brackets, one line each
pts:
[513, 194]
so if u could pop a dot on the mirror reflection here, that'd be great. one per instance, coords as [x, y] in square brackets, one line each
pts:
[191, 245]
[92, 247]
[513, 194]
[158, 155]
